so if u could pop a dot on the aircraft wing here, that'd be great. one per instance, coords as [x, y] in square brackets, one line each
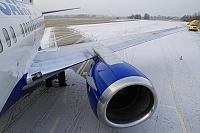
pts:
[53, 11]
[50, 62]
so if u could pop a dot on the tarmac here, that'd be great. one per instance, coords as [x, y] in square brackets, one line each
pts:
[176, 80]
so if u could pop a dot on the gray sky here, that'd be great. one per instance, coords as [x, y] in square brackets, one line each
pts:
[123, 7]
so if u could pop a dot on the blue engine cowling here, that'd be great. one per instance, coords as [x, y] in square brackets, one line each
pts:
[120, 95]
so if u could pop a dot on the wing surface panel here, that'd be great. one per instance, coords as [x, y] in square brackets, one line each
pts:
[146, 37]
[49, 62]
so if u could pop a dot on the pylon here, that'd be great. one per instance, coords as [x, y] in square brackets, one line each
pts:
[181, 57]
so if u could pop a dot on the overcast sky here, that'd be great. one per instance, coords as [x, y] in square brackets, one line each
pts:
[123, 7]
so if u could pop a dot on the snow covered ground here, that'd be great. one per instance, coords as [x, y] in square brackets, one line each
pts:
[113, 30]
[176, 81]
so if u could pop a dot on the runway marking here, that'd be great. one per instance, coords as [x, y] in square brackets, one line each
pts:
[55, 125]
[179, 116]
[173, 85]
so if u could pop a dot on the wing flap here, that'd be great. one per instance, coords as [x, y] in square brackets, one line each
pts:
[49, 63]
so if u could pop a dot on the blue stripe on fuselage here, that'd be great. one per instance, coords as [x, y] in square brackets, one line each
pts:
[15, 95]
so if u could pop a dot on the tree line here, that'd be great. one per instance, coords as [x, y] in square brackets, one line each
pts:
[189, 18]
[186, 18]
[138, 16]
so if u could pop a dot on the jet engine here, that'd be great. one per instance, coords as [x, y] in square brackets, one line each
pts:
[119, 94]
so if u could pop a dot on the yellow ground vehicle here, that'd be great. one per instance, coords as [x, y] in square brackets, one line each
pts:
[194, 25]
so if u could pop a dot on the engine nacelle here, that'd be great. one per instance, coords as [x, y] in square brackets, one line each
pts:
[120, 95]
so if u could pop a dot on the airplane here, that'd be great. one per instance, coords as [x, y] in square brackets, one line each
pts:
[120, 95]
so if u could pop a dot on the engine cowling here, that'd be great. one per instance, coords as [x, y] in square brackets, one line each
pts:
[120, 95]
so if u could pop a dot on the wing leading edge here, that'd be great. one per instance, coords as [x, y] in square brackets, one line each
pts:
[49, 63]
[150, 36]
[53, 11]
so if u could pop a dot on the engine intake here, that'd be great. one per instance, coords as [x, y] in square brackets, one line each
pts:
[120, 95]
[127, 102]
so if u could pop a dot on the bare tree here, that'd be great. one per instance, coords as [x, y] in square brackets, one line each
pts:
[138, 16]
[146, 16]
[131, 17]
[189, 18]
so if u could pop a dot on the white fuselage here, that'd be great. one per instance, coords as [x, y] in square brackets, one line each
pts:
[17, 53]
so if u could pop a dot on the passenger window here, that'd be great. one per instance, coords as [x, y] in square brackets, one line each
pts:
[1, 47]
[29, 25]
[13, 34]
[22, 29]
[25, 28]
[32, 25]
[6, 35]
[29, 28]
